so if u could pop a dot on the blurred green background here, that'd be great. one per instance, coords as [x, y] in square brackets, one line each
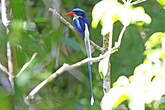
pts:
[34, 29]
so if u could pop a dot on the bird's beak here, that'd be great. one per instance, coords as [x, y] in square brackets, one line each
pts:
[70, 13]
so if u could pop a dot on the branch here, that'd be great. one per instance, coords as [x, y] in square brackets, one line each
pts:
[4, 69]
[54, 11]
[97, 47]
[10, 65]
[137, 2]
[117, 44]
[66, 67]
[26, 64]
[9, 57]
[108, 43]
[5, 21]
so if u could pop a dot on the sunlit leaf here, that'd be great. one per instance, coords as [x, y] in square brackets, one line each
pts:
[106, 15]
[103, 67]
[114, 97]
[145, 85]
[139, 15]
[162, 3]
[122, 81]
[129, 14]
[114, 11]
[155, 40]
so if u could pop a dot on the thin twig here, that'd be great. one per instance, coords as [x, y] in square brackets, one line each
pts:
[118, 43]
[26, 64]
[10, 65]
[64, 68]
[137, 2]
[4, 69]
[97, 47]
[9, 57]
[54, 11]
[5, 21]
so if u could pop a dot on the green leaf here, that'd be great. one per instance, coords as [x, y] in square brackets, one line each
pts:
[103, 67]
[162, 3]
[155, 40]
[41, 20]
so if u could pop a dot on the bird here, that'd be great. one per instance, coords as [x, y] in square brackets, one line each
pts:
[82, 26]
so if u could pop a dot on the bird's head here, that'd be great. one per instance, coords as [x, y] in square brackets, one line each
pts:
[77, 11]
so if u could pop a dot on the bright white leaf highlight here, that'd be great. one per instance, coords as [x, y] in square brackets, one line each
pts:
[110, 11]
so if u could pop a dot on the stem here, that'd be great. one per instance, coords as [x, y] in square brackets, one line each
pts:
[10, 65]
[106, 78]
[118, 43]
[26, 65]
[137, 2]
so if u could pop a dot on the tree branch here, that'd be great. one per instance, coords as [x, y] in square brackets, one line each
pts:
[118, 43]
[137, 2]
[9, 57]
[5, 21]
[64, 68]
[54, 11]
[97, 47]
[10, 65]
[26, 64]
[4, 69]
[106, 78]
[124, 1]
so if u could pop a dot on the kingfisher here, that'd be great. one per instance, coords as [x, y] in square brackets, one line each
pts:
[82, 26]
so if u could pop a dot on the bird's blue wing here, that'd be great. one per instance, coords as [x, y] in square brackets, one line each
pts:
[80, 26]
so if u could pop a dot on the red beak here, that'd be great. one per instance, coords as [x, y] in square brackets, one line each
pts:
[70, 13]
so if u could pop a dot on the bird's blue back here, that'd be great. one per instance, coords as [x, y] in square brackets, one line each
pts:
[79, 24]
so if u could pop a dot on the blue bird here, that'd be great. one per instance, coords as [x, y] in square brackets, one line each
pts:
[81, 24]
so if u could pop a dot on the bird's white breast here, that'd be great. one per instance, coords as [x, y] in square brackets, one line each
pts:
[86, 31]
[86, 39]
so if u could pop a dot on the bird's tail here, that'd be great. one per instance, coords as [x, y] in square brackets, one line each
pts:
[89, 55]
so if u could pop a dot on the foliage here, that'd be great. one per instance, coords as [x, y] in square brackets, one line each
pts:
[125, 13]
[162, 3]
[146, 85]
